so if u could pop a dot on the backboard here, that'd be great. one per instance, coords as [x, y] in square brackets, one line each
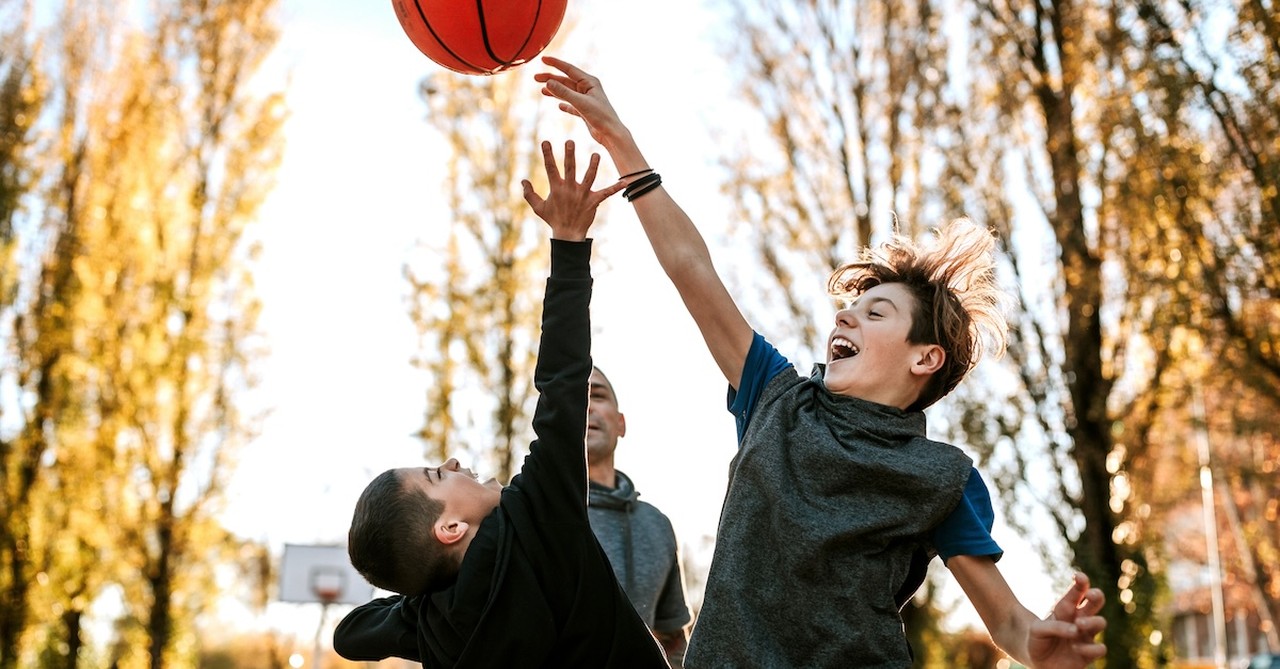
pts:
[319, 574]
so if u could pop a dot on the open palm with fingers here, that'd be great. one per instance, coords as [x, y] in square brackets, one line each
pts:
[570, 206]
[1067, 638]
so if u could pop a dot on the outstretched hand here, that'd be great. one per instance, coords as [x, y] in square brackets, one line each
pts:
[1065, 639]
[570, 206]
[582, 95]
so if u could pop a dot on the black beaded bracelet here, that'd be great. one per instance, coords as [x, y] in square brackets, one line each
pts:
[641, 186]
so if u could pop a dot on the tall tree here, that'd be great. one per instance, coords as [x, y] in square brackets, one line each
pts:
[1047, 77]
[1214, 74]
[188, 342]
[22, 96]
[136, 338]
[1175, 239]
[1214, 82]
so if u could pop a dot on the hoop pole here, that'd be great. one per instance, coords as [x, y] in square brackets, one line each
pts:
[315, 652]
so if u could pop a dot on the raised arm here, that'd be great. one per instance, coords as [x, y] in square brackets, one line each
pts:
[679, 246]
[554, 475]
[1063, 640]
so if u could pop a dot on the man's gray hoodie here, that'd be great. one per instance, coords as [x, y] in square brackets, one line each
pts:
[642, 549]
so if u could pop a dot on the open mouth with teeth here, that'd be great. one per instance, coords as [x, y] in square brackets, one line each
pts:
[842, 348]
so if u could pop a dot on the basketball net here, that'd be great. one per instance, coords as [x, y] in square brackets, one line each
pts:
[326, 585]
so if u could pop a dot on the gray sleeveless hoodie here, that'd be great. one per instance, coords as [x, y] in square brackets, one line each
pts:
[829, 498]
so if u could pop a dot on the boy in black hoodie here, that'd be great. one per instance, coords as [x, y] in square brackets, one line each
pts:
[514, 576]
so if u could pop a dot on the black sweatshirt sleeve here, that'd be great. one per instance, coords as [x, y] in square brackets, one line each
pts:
[375, 631]
[554, 476]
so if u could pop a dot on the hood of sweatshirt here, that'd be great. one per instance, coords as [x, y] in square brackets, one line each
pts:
[622, 498]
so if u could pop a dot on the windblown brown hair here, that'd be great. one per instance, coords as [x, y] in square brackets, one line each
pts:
[959, 305]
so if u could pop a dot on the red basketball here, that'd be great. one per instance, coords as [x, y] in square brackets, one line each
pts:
[480, 36]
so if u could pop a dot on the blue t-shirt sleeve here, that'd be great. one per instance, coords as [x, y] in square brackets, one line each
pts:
[967, 531]
[762, 364]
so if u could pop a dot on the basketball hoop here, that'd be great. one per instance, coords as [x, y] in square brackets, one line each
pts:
[326, 584]
[311, 574]
[320, 574]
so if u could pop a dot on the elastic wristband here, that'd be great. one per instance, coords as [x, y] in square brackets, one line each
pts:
[641, 184]
[637, 173]
[644, 189]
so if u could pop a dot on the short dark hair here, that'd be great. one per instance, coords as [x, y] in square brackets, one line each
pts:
[392, 540]
[957, 301]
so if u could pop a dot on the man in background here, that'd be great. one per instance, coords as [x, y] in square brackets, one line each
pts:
[636, 536]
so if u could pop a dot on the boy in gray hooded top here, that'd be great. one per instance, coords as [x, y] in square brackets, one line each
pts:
[836, 498]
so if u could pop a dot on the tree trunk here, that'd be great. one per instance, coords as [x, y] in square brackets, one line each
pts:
[1088, 423]
[72, 622]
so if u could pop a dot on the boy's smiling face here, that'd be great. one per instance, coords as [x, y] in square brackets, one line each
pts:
[868, 355]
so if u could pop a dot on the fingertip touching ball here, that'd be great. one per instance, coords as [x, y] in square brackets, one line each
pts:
[480, 36]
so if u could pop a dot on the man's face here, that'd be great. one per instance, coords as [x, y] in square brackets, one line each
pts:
[604, 422]
[458, 488]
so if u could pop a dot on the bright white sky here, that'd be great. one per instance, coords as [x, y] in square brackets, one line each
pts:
[356, 192]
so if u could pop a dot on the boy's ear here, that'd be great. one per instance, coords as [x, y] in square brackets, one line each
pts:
[929, 360]
[450, 532]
